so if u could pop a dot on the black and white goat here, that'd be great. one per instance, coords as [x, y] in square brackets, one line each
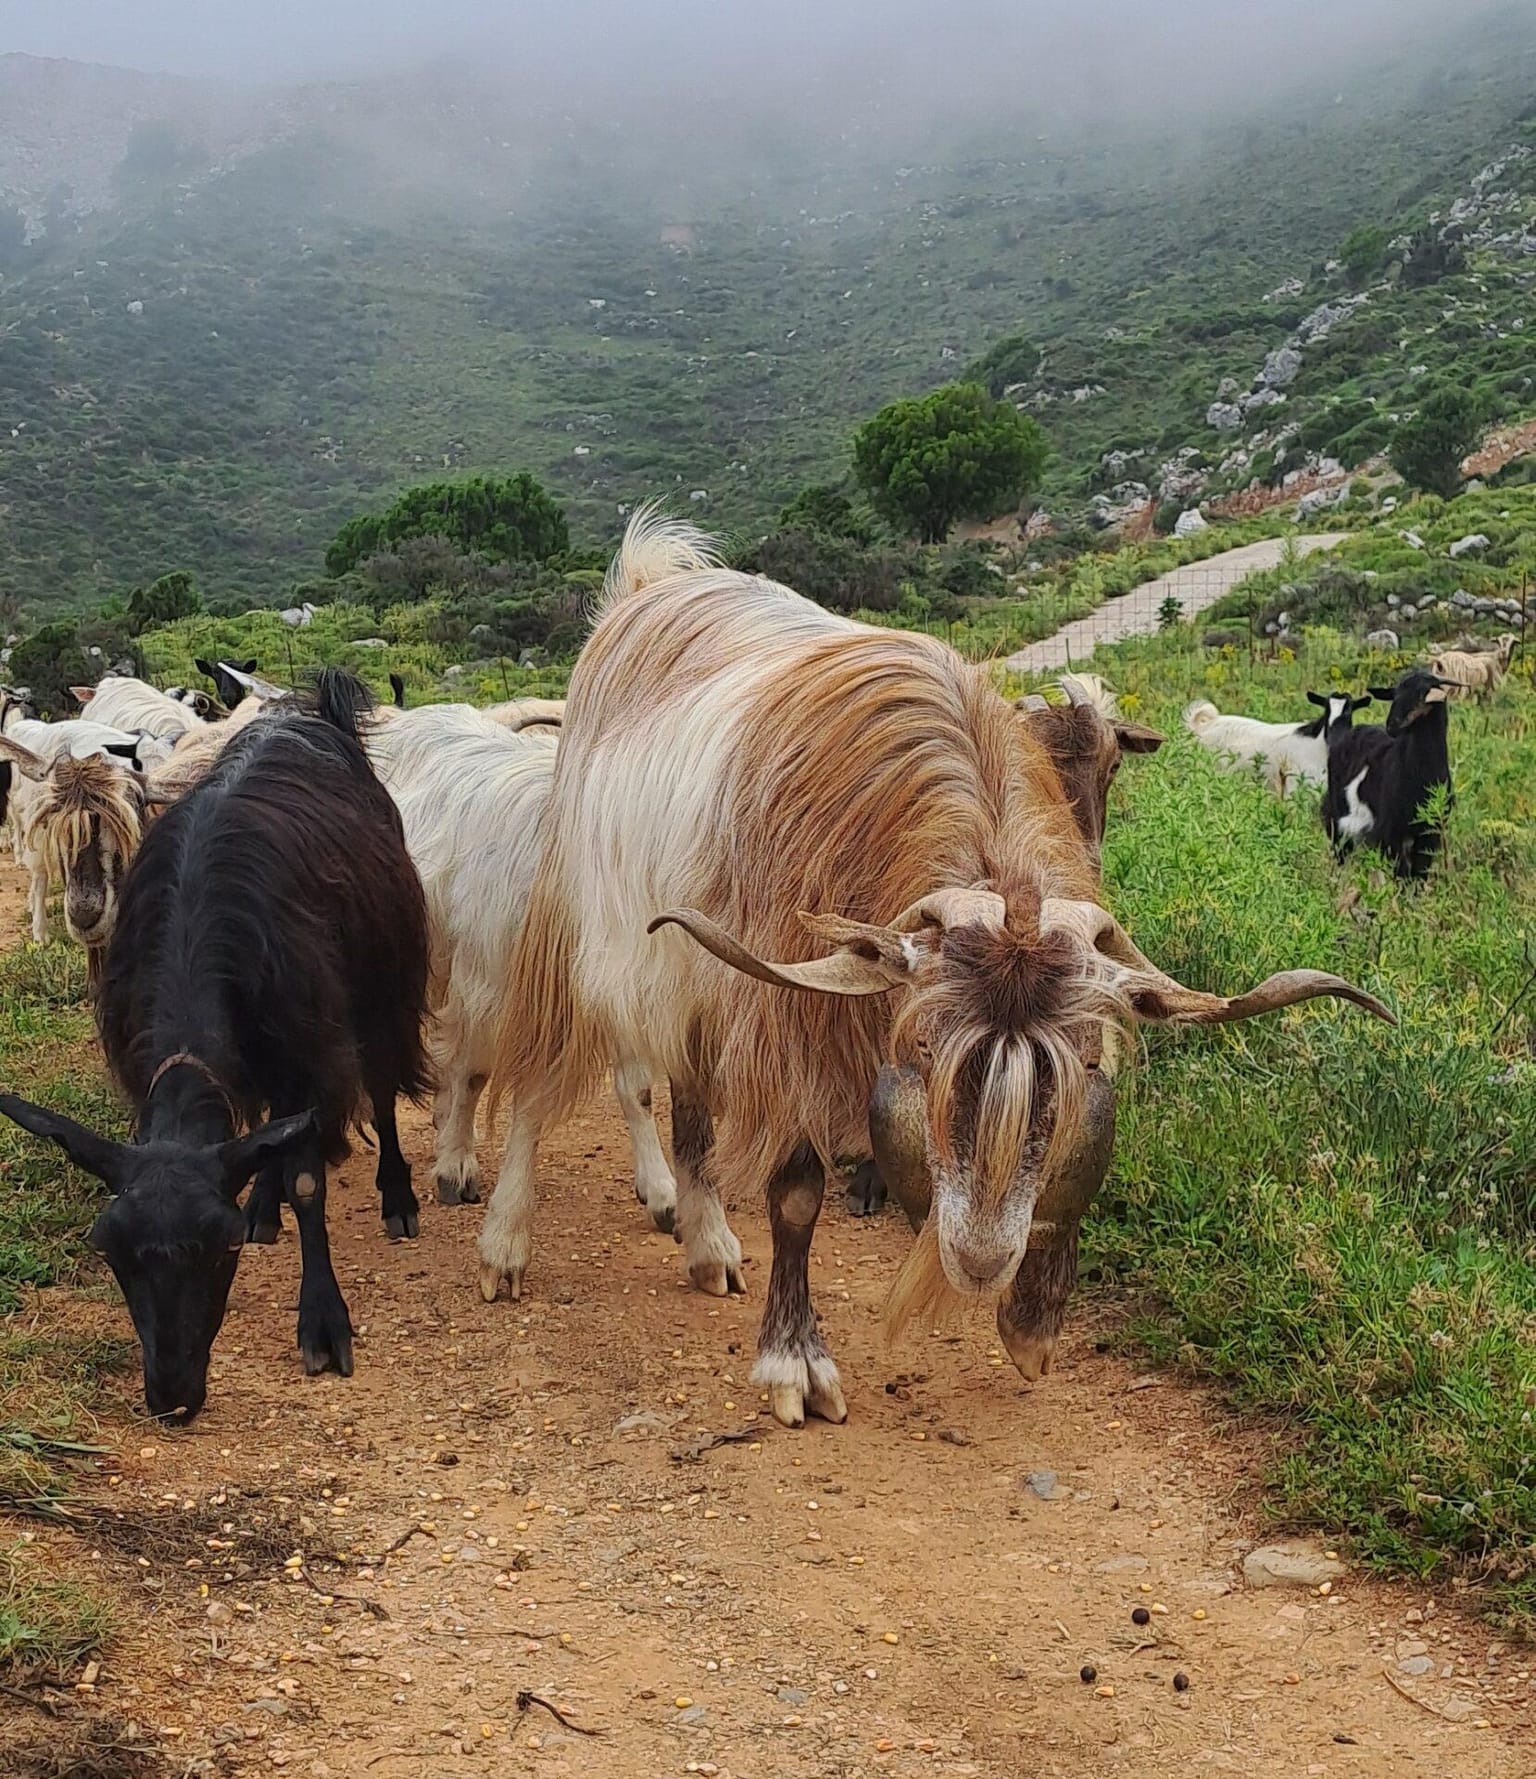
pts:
[1380, 779]
[270, 956]
[1288, 754]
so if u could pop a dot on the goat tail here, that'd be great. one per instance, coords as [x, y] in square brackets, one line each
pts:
[655, 548]
[548, 1054]
[341, 699]
[1200, 715]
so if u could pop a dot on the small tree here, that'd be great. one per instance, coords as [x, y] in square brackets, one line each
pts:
[508, 518]
[1362, 254]
[957, 453]
[1014, 359]
[822, 507]
[163, 601]
[1427, 448]
[48, 663]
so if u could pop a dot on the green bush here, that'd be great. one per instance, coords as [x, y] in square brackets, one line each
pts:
[507, 518]
[931, 460]
[1428, 448]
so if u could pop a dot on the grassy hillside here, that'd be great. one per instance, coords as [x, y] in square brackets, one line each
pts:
[308, 340]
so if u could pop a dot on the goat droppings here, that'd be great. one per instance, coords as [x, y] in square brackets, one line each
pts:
[1087, 1674]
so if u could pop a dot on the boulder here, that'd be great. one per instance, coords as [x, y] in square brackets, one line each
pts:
[1472, 544]
[1187, 524]
[1413, 540]
[1224, 416]
[1292, 1563]
[1319, 501]
[1281, 368]
[1382, 639]
[1260, 398]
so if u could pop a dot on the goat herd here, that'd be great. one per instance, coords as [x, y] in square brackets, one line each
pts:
[307, 909]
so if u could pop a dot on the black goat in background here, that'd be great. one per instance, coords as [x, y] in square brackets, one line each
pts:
[1380, 779]
[270, 956]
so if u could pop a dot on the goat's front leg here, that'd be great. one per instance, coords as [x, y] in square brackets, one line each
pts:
[37, 899]
[792, 1359]
[654, 1185]
[714, 1254]
[325, 1328]
[506, 1236]
[398, 1206]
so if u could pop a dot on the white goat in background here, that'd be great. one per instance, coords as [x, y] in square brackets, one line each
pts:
[471, 793]
[133, 704]
[1288, 754]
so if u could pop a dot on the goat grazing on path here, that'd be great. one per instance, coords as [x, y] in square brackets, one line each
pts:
[1380, 779]
[270, 955]
[1288, 753]
[471, 794]
[740, 770]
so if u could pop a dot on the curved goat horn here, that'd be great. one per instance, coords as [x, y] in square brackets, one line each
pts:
[868, 962]
[1157, 997]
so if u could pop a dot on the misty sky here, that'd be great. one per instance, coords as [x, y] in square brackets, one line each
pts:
[1096, 48]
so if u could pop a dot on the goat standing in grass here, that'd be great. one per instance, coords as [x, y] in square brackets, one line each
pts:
[1288, 754]
[1475, 675]
[270, 956]
[1380, 779]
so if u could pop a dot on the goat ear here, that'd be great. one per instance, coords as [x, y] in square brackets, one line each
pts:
[95, 1155]
[1359, 703]
[205, 668]
[123, 750]
[1136, 738]
[241, 1157]
[28, 764]
[1382, 694]
[1317, 698]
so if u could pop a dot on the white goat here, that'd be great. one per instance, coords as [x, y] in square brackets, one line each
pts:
[1288, 754]
[132, 704]
[471, 794]
[1475, 675]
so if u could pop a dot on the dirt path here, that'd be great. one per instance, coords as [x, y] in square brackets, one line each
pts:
[887, 1597]
[1195, 586]
[518, 1492]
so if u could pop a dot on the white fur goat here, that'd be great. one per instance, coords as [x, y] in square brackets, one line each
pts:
[471, 793]
[132, 704]
[1288, 754]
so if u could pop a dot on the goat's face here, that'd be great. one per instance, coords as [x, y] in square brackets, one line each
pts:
[1417, 695]
[89, 824]
[1086, 749]
[172, 1235]
[997, 1100]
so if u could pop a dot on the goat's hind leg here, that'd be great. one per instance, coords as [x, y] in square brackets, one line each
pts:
[453, 1115]
[506, 1236]
[714, 1254]
[792, 1359]
[654, 1186]
[397, 1202]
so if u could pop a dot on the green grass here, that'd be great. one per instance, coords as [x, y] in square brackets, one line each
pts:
[50, 1377]
[46, 1624]
[1335, 1218]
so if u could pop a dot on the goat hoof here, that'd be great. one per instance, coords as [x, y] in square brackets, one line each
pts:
[457, 1192]
[327, 1345]
[469, 1192]
[787, 1405]
[665, 1219]
[402, 1227]
[262, 1235]
[490, 1282]
[716, 1278]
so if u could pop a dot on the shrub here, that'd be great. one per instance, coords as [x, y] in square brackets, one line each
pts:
[1427, 448]
[1014, 359]
[508, 518]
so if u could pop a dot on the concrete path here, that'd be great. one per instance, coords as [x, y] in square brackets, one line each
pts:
[1195, 586]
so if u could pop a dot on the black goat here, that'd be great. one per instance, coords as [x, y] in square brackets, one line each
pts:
[270, 954]
[228, 687]
[1380, 779]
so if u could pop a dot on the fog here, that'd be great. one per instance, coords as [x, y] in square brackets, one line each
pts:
[1090, 58]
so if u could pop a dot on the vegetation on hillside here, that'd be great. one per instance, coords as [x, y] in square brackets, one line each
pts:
[219, 377]
[1331, 1216]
